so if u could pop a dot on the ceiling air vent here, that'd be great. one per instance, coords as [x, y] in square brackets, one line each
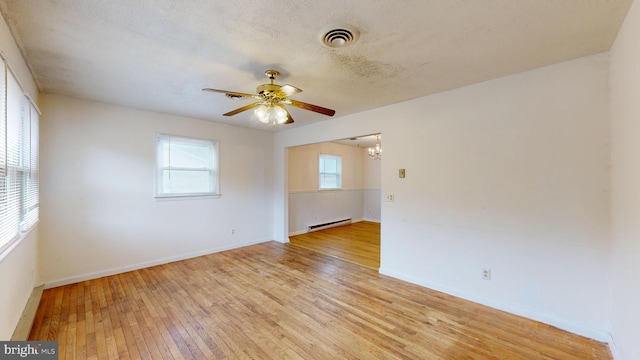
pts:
[338, 36]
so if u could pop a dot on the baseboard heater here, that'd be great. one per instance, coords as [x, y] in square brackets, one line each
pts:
[327, 225]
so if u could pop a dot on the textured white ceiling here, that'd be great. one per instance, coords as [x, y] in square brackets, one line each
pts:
[158, 55]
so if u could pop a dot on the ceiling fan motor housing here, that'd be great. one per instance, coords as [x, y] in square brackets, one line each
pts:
[271, 92]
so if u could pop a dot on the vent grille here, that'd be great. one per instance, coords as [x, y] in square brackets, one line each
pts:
[339, 36]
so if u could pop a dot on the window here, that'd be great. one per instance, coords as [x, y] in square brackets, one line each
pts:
[19, 183]
[330, 172]
[186, 167]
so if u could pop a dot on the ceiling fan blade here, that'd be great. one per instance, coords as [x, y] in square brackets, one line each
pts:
[315, 108]
[289, 118]
[289, 90]
[231, 94]
[244, 108]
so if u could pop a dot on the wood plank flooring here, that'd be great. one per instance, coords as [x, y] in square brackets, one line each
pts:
[358, 242]
[278, 301]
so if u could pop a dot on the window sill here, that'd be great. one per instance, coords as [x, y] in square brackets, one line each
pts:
[335, 189]
[170, 197]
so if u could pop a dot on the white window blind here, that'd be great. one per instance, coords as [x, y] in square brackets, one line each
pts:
[6, 231]
[30, 158]
[18, 159]
[12, 181]
[186, 166]
[330, 171]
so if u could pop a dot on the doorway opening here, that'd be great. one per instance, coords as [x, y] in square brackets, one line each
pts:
[334, 205]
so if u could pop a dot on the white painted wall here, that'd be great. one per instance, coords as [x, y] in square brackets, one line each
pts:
[319, 207]
[18, 277]
[19, 266]
[625, 199]
[98, 212]
[358, 199]
[509, 174]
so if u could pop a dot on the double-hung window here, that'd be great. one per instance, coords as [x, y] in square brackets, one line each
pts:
[186, 167]
[330, 172]
[19, 183]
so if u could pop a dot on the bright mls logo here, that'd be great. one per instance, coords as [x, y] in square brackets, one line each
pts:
[35, 350]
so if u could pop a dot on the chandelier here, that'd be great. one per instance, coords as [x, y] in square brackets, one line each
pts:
[375, 153]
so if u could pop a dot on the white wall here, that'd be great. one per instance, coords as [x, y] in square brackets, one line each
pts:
[510, 174]
[625, 199]
[18, 267]
[98, 212]
[309, 206]
[18, 277]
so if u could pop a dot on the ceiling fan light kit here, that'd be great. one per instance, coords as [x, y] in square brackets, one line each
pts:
[272, 100]
[262, 113]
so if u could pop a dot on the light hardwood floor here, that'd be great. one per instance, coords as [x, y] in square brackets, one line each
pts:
[278, 301]
[358, 242]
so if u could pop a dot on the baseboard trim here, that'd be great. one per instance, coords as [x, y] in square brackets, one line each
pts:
[123, 269]
[372, 220]
[585, 330]
[21, 333]
[298, 232]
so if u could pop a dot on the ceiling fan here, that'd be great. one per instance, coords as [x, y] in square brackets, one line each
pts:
[272, 97]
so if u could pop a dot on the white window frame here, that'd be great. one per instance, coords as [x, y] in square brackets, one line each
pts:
[212, 169]
[19, 156]
[338, 172]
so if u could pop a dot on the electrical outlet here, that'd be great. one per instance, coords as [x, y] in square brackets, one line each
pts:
[233, 231]
[486, 274]
[389, 197]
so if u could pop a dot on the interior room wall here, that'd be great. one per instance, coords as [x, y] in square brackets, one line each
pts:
[18, 267]
[509, 175]
[18, 277]
[99, 215]
[308, 204]
[304, 160]
[625, 175]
